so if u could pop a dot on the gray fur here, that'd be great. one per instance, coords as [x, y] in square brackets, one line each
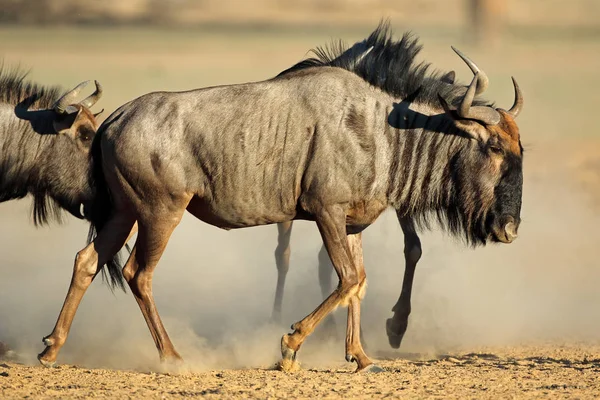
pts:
[334, 139]
[37, 160]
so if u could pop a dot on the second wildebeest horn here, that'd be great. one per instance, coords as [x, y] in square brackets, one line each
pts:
[483, 79]
[67, 98]
[363, 55]
[487, 115]
[518, 104]
[94, 97]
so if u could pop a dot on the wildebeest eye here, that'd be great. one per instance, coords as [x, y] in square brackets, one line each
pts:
[85, 134]
[496, 149]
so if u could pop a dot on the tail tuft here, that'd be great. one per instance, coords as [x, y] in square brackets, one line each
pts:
[100, 212]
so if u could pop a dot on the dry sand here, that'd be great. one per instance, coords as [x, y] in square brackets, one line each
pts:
[551, 371]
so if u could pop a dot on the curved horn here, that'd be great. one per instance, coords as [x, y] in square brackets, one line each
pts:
[465, 105]
[487, 115]
[94, 97]
[68, 98]
[483, 79]
[518, 104]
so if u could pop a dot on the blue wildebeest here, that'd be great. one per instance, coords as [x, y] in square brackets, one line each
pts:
[336, 145]
[45, 137]
[397, 325]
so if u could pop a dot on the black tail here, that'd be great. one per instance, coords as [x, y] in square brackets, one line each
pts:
[100, 212]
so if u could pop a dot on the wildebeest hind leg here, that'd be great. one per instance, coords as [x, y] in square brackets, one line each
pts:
[155, 229]
[109, 241]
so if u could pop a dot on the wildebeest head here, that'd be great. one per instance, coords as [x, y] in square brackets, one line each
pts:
[66, 172]
[75, 120]
[491, 174]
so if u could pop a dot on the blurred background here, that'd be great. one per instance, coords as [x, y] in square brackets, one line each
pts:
[215, 288]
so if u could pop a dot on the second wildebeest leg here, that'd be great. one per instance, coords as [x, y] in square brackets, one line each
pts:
[282, 260]
[397, 325]
[332, 225]
[109, 241]
[155, 225]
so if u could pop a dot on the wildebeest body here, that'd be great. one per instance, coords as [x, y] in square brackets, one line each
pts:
[281, 137]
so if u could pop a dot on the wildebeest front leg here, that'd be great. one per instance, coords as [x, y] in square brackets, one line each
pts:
[397, 325]
[155, 229]
[109, 241]
[332, 225]
[354, 348]
[282, 260]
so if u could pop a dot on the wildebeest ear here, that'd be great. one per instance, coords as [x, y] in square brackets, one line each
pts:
[63, 122]
[449, 77]
[471, 128]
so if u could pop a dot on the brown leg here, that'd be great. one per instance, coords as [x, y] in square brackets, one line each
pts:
[108, 242]
[332, 225]
[326, 271]
[154, 233]
[397, 325]
[354, 348]
[282, 259]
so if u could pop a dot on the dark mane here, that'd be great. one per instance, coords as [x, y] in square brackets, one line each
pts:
[390, 66]
[15, 90]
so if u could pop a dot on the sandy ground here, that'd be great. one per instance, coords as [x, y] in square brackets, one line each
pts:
[549, 371]
[502, 322]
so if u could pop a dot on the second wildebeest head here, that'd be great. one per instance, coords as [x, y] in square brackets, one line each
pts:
[46, 140]
[489, 186]
[456, 158]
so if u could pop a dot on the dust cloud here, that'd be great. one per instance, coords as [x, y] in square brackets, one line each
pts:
[215, 289]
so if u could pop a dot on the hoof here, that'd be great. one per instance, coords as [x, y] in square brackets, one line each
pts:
[288, 366]
[394, 339]
[371, 369]
[174, 365]
[287, 353]
[47, 364]
[177, 361]
[349, 357]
